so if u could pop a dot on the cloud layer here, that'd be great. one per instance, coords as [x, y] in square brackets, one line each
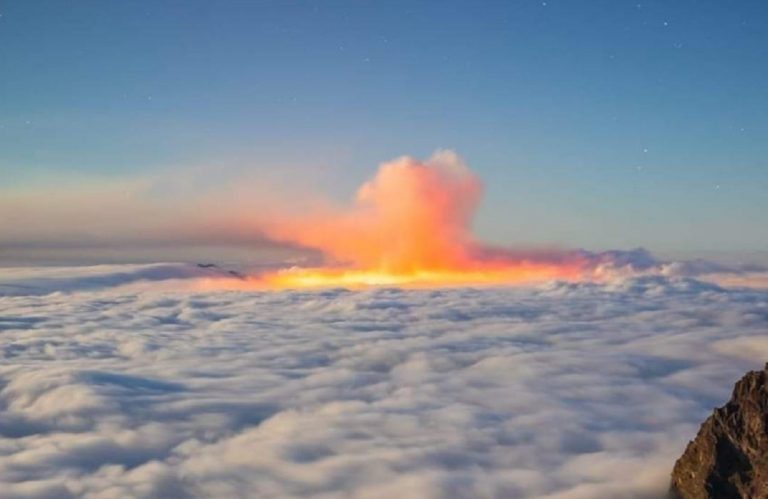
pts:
[562, 390]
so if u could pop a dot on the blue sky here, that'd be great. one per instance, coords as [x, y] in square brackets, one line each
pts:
[597, 124]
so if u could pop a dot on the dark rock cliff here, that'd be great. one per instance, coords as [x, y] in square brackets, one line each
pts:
[729, 456]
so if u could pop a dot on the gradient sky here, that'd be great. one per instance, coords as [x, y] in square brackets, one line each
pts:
[596, 124]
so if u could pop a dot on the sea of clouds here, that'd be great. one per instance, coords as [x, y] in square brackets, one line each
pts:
[117, 381]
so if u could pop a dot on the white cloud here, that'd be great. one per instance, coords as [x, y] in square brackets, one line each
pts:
[560, 391]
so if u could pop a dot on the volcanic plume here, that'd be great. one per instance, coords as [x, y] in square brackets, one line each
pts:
[410, 225]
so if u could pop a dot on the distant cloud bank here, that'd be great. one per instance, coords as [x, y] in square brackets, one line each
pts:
[410, 215]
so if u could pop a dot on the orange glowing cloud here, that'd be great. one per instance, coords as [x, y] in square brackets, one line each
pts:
[409, 226]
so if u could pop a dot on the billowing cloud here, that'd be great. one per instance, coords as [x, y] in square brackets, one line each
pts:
[412, 215]
[411, 224]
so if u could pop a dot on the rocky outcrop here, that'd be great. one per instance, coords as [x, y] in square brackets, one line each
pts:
[215, 268]
[729, 456]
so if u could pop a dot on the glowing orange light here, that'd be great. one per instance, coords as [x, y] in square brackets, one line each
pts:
[350, 278]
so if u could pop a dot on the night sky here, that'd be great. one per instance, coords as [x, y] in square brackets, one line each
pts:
[594, 124]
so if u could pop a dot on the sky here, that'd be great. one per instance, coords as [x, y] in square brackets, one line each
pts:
[592, 124]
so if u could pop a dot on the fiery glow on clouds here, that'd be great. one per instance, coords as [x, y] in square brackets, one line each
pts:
[410, 226]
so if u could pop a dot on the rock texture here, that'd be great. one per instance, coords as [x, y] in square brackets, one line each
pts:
[729, 456]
